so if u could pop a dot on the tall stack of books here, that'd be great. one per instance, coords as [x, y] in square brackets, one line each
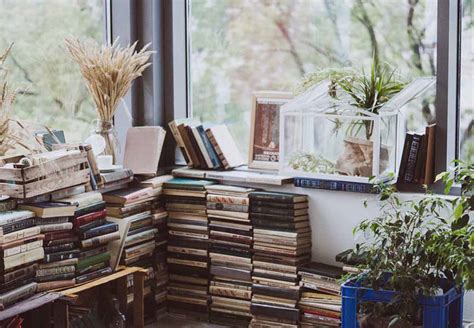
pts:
[58, 268]
[93, 233]
[188, 257]
[282, 243]
[230, 254]
[211, 148]
[160, 216]
[21, 247]
[320, 301]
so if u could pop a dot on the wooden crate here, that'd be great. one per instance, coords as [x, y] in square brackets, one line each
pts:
[69, 170]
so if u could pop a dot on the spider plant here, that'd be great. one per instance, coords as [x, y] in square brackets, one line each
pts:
[370, 92]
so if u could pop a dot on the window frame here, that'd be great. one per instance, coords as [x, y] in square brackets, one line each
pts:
[447, 79]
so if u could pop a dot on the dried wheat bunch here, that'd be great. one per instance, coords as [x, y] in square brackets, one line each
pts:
[109, 71]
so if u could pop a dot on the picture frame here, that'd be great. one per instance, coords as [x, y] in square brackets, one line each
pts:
[264, 148]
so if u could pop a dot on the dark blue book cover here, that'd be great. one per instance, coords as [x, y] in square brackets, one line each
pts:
[216, 163]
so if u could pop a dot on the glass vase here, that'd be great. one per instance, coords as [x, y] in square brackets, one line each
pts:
[106, 130]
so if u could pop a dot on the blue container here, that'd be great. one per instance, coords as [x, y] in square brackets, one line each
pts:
[438, 311]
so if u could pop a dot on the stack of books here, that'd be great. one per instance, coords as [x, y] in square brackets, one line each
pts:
[116, 179]
[230, 254]
[188, 257]
[282, 243]
[211, 148]
[320, 301]
[93, 233]
[160, 216]
[58, 268]
[21, 247]
[417, 162]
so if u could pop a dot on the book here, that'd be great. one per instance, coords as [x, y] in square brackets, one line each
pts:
[321, 270]
[57, 220]
[360, 187]
[56, 264]
[68, 192]
[188, 146]
[100, 240]
[430, 133]
[215, 161]
[94, 224]
[98, 258]
[93, 275]
[20, 234]
[156, 182]
[55, 270]
[55, 227]
[17, 294]
[55, 277]
[94, 207]
[82, 220]
[127, 210]
[18, 273]
[187, 184]
[50, 285]
[22, 258]
[411, 160]
[15, 226]
[8, 217]
[83, 200]
[118, 175]
[173, 125]
[59, 248]
[21, 248]
[128, 195]
[195, 146]
[59, 256]
[106, 228]
[277, 197]
[50, 138]
[225, 146]
[7, 203]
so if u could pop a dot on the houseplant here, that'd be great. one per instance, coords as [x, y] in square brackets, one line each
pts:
[109, 71]
[417, 248]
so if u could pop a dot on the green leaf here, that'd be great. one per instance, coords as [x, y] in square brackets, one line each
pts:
[472, 240]
[460, 223]
[458, 211]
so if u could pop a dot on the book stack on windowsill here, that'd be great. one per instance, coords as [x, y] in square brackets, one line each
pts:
[211, 148]
[320, 301]
[58, 268]
[159, 219]
[282, 243]
[230, 254]
[92, 232]
[21, 248]
[188, 257]
[417, 162]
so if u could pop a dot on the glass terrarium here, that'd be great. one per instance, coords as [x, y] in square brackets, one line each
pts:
[323, 136]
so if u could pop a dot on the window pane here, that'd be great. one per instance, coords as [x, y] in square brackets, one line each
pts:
[52, 90]
[241, 46]
[466, 131]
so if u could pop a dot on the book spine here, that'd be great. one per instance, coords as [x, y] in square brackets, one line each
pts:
[55, 271]
[227, 199]
[98, 258]
[23, 258]
[11, 217]
[56, 227]
[88, 210]
[87, 218]
[20, 225]
[208, 146]
[420, 160]
[334, 185]
[271, 197]
[228, 207]
[96, 179]
[19, 273]
[59, 248]
[21, 248]
[53, 277]
[53, 257]
[49, 285]
[16, 294]
[273, 211]
[117, 175]
[91, 225]
[93, 275]
[188, 146]
[218, 150]
[179, 142]
[430, 152]
[263, 223]
[202, 148]
[58, 220]
[20, 234]
[58, 263]
[195, 147]
[96, 241]
[102, 230]
[7, 205]
[91, 268]
[411, 161]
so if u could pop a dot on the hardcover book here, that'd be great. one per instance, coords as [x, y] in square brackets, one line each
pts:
[140, 156]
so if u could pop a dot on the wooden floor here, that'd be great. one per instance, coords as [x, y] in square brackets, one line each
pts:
[171, 321]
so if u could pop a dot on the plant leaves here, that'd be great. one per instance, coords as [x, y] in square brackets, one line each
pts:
[460, 223]
[458, 211]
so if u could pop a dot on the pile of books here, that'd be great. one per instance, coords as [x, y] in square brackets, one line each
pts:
[116, 179]
[320, 301]
[282, 243]
[131, 208]
[230, 254]
[58, 268]
[93, 232]
[417, 163]
[21, 247]
[211, 148]
[188, 257]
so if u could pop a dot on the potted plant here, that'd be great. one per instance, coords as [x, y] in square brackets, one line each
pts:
[418, 251]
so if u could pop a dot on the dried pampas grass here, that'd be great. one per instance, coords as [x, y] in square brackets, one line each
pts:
[109, 71]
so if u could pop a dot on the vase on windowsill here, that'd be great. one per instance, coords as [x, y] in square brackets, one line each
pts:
[106, 130]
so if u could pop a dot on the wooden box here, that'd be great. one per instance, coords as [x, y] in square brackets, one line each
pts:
[68, 170]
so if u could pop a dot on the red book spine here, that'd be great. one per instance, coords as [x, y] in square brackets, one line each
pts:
[58, 235]
[89, 217]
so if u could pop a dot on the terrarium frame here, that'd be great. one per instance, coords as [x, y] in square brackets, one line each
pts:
[376, 156]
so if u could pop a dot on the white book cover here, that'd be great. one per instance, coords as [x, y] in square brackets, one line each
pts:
[227, 145]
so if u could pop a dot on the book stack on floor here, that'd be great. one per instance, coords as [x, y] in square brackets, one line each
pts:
[212, 148]
[58, 268]
[92, 232]
[21, 247]
[132, 207]
[116, 179]
[159, 216]
[282, 243]
[230, 254]
[320, 301]
[417, 162]
[188, 257]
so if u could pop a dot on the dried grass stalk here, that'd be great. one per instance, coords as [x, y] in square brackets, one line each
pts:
[109, 71]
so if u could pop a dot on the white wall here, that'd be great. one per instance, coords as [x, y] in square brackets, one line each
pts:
[333, 215]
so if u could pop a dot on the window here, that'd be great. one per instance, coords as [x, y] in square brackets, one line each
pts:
[237, 47]
[466, 96]
[52, 90]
